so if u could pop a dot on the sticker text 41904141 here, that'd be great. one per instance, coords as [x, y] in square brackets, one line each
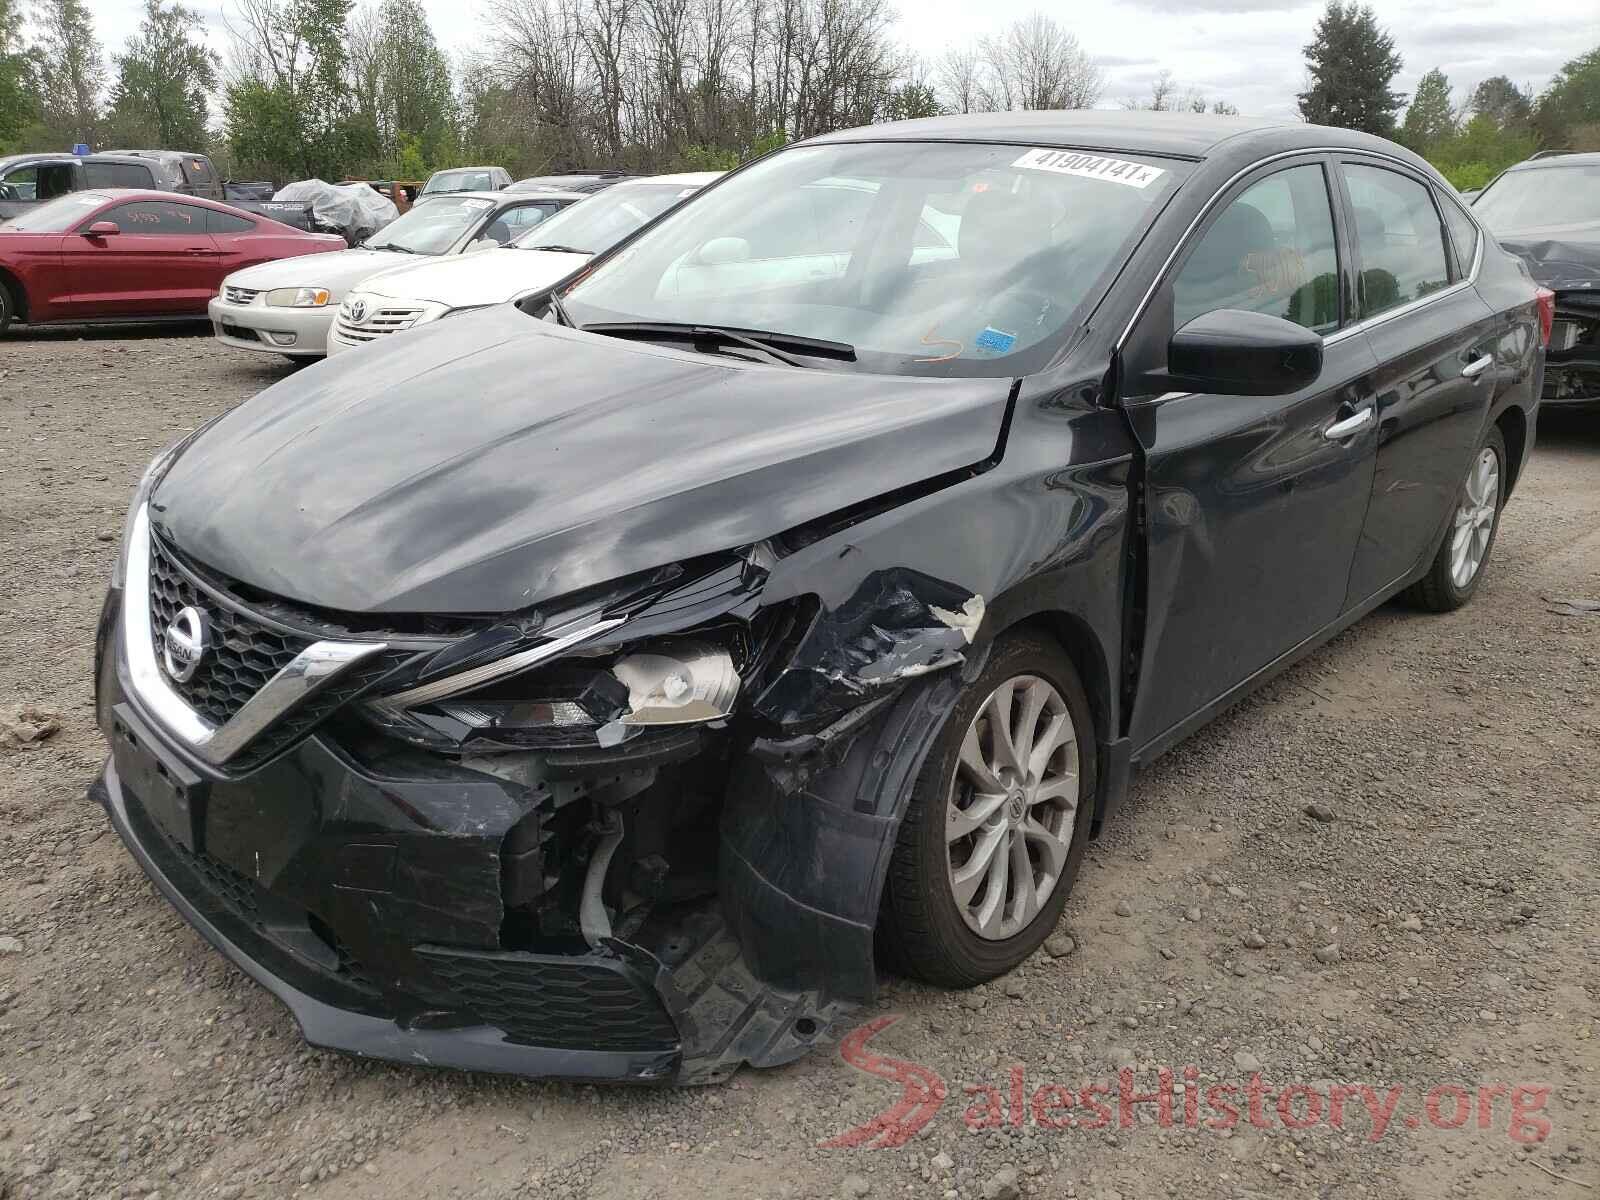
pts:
[1090, 166]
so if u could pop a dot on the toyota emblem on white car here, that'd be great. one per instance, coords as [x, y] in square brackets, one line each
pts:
[358, 311]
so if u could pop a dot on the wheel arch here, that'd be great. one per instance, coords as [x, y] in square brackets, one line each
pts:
[1513, 426]
[18, 293]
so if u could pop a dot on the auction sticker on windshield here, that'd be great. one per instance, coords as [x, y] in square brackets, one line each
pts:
[474, 202]
[1090, 166]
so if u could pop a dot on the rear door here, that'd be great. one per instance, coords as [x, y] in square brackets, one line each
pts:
[161, 262]
[1253, 504]
[1433, 337]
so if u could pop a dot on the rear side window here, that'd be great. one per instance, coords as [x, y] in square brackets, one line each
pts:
[150, 218]
[1400, 237]
[118, 175]
[1463, 236]
[198, 175]
[221, 222]
[1271, 250]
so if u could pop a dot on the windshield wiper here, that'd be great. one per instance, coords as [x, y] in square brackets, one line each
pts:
[395, 246]
[560, 310]
[558, 249]
[769, 343]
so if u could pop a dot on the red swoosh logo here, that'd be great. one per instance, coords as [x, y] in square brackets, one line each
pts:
[923, 1092]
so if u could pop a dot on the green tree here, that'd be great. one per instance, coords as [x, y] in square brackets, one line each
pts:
[288, 111]
[72, 72]
[416, 104]
[1350, 63]
[1429, 118]
[1507, 105]
[1479, 151]
[912, 100]
[164, 76]
[18, 106]
[1568, 113]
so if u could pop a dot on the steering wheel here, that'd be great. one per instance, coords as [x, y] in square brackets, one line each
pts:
[8, 192]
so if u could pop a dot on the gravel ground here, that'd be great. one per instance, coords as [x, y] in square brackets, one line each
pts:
[1381, 870]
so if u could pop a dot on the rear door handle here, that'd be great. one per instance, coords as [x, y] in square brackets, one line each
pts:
[1349, 426]
[1477, 366]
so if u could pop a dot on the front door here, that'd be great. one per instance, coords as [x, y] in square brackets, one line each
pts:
[161, 262]
[1253, 504]
[1434, 338]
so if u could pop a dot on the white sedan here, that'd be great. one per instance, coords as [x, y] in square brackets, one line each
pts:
[416, 293]
[287, 307]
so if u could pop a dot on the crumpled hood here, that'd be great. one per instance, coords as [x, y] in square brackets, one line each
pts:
[337, 271]
[491, 461]
[469, 280]
[1559, 256]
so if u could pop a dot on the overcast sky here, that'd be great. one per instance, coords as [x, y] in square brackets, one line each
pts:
[1245, 51]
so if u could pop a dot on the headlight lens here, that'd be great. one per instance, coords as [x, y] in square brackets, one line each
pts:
[306, 297]
[578, 700]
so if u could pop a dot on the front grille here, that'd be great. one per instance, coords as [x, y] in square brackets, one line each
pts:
[239, 295]
[379, 322]
[559, 1001]
[244, 654]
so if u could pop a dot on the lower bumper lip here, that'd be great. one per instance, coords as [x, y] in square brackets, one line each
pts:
[473, 1048]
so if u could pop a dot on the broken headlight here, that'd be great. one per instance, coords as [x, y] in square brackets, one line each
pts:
[581, 700]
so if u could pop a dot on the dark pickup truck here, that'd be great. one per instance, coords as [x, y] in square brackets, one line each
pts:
[29, 179]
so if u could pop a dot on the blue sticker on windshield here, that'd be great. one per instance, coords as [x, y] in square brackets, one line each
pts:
[995, 339]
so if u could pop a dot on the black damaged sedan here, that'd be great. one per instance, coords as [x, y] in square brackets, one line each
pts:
[609, 687]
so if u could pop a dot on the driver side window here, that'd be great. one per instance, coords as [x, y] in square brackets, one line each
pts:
[1271, 250]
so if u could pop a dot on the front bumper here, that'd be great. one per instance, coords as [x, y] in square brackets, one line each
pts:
[269, 330]
[370, 899]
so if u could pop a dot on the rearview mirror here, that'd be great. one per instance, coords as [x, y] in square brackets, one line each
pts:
[1232, 352]
[722, 250]
[102, 229]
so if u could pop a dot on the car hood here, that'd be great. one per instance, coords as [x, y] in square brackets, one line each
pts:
[337, 271]
[469, 280]
[491, 461]
[1558, 255]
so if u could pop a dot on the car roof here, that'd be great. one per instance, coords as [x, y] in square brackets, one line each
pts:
[1588, 159]
[678, 179]
[503, 196]
[1178, 135]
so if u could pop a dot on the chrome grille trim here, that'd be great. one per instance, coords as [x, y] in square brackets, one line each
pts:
[315, 666]
[239, 295]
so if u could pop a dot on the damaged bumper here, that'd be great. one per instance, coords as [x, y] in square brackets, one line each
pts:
[1572, 362]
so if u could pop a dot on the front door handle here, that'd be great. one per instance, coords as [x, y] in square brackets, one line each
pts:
[1349, 426]
[1477, 366]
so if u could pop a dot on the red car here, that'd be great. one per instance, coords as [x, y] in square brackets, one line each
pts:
[114, 255]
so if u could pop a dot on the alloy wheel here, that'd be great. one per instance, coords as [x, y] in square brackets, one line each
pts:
[1012, 807]
[1475, 517]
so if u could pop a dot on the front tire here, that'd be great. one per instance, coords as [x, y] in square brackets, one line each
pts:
[8, 306]
[996, 826]
[1463, 556]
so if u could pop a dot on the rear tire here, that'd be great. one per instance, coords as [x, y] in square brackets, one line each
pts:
[1463, 556]
[925, 929]
[8, 306]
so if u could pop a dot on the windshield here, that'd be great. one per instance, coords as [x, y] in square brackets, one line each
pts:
[431, 227]
[599, 223]
[1541, 196]
[927, 257]
[55, 216]
[459, 181]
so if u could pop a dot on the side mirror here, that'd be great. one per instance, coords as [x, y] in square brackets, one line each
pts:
[722, 250]
[102, 229]
[1232, 352]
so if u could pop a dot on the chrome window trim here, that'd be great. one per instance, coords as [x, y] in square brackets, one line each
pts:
[1338, 335]
[313, 667]
[477, 676]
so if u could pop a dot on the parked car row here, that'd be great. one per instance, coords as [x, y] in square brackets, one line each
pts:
[605, 686]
